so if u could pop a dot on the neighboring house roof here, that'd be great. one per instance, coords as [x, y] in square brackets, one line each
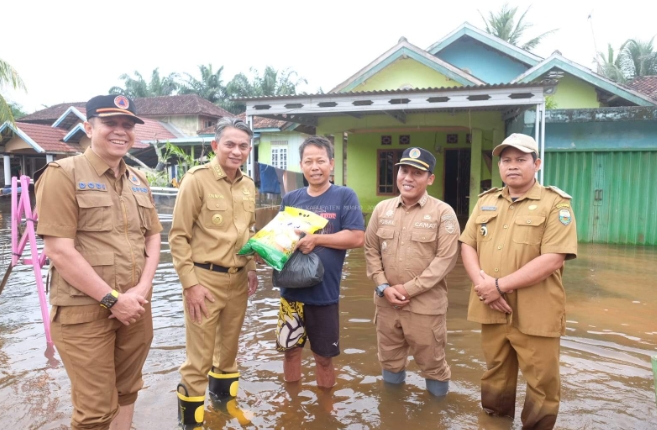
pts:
[556, 60]
[644, 84]
[52, 113]
[186, 104]
[468, 30]
[42, 138]
[259, 123]
[401, 50]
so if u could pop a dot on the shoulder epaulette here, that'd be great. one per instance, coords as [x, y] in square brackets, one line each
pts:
[197, 168]
[559, 191]
[247, 176]
[494, 189]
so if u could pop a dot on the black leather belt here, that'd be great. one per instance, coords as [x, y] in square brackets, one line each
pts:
[215, 268]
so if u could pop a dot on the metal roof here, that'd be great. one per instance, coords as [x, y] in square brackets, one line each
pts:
[401, 91]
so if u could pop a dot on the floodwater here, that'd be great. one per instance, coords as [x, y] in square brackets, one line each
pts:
[607, 380]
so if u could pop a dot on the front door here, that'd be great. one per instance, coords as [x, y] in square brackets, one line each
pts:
[457, 181]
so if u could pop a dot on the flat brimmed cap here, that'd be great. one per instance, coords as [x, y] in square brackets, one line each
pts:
[112, 105]
[519, 141]
[419, 158]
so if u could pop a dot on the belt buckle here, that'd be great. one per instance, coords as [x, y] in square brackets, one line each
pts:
[233, 270]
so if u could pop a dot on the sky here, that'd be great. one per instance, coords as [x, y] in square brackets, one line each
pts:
[71, 50]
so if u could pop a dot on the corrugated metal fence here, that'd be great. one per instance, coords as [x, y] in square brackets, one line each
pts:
[614, 193]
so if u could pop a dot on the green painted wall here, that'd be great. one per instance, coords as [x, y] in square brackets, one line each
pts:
[573, 93]
[364, 139]
[294, 141]
[405, 72]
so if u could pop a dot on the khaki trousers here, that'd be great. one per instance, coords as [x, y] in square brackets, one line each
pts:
[400, 332]
[506, 349]
[103, 359]
[214, 341]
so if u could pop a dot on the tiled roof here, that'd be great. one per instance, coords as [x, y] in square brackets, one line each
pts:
[188, 104]
[50, 138]
[49, 115]
[645, 84]
[150, 130]
[258, 123]
[47, 137]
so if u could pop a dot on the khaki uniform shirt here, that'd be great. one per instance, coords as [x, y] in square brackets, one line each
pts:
[212, 220]
[415, 246]
[108, 218]
[507, 235]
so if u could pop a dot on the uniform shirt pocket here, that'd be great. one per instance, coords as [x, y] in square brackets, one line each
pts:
[423, 243]
[214, 216]
[485, 226]
[94, 213]
[145, 208]
[528, 229]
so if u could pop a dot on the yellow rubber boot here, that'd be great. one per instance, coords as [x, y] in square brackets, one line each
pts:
[191, 410]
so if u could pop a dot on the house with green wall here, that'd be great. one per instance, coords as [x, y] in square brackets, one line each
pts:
[462, 96]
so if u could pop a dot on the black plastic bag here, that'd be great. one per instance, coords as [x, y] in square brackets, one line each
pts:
[300, 271]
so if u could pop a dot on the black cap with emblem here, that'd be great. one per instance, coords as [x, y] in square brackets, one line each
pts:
[112, 105]
[419, 158]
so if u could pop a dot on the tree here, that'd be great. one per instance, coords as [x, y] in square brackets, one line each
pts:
[503, 25]
[210, 86]
[611, 66]
[639, 57]
[138, 87]
[272, 82]
[8, 76]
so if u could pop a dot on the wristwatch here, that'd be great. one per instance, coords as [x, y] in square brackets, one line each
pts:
[110, 299]
[379, 290]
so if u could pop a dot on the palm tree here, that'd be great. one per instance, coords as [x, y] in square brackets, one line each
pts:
[611, 66]
[138, 87]
[8, 75]
[503, 25]
[210, 86]
[640, 58]
[272, 82]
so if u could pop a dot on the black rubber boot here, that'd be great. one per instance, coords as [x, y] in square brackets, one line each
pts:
[190, 409]
[223, 384]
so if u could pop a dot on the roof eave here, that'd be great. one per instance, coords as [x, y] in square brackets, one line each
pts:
[18, 132]
[585, 74]
[467, 29]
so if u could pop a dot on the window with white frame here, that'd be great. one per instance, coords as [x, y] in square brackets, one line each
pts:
[279, 154]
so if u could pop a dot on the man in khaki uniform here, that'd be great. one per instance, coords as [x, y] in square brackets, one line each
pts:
[514, 248]
[212, 219]
[411, 244]
[101, 233]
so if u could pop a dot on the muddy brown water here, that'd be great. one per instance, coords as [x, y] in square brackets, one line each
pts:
[605, 356]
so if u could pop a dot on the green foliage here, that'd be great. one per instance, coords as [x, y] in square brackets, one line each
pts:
[635, 58]
[138, 87]
[8, 76]
[550, 103]
[169, 153]
[503, 25]
[210, 86]
[271, 82]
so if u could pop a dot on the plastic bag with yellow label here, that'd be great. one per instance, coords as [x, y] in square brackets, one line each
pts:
[276, 241]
